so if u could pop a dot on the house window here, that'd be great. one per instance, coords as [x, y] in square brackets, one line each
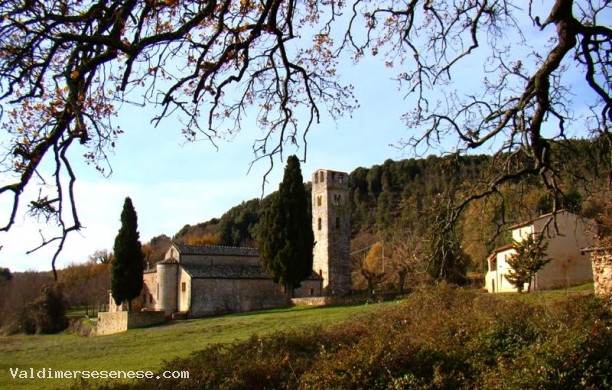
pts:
[157, 293]
[321, 177]
[183, 287]
[319, 224]
[337, 222]
[319, 200]
[150, 298]
[312, 291]
[316, 178]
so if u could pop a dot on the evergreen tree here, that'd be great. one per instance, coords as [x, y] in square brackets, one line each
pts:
[528, 259]
[286, 238]
[126, 269]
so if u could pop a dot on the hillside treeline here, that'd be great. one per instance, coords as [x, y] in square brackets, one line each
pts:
[399, 219]
[407, 205]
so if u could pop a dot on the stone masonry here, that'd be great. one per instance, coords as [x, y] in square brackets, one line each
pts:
[331, 226]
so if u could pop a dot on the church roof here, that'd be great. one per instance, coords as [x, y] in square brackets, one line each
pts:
[213, 250]
[168, 261]
[225, 271]
[230, 271]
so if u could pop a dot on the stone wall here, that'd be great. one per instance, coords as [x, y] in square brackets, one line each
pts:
[220, 296]
[115, 322]
[344, 300]
[309, 288]
[602, 271]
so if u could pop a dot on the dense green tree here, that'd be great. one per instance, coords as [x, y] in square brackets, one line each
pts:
[528, 259]
[126, 268]
[156, 249]
[237, 225]
[285, 237]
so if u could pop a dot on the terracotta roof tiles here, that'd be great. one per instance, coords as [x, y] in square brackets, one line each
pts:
[213, 250]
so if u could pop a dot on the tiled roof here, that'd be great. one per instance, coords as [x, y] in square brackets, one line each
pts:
[532, 221]
[216, 250]
[226, 271]
[598, 249]
[501, 249]
[168, 261]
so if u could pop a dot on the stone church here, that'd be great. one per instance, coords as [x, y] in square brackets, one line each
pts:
[196, 281]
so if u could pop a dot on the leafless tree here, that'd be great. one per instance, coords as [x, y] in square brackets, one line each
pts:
[67, 66]
[524, 103]
[407, 256]
[102, 256]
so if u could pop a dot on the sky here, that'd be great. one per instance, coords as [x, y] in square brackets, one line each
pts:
[173, 183]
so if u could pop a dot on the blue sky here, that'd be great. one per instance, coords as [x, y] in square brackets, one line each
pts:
[173, 183]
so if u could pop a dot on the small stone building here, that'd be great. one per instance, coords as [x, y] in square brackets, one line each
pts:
[198, 281]
[567, 234]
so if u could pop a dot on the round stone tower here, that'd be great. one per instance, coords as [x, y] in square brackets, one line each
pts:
[331, 226]
[167, 286]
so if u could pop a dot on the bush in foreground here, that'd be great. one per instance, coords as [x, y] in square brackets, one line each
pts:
[442, 338]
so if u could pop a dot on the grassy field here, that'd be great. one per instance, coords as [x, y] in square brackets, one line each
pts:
[146, 349]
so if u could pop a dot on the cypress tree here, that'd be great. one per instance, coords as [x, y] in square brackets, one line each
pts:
[126, 268]
[286, 238]
[528, 259]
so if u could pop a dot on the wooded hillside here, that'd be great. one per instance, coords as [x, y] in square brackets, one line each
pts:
[415, 197]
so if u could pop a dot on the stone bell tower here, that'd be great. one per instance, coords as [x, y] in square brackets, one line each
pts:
[331, 226]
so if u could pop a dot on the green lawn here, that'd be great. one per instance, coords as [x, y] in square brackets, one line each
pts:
[146, 349]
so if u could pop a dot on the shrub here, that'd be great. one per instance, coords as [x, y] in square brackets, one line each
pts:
[47, 314]
[438, 338]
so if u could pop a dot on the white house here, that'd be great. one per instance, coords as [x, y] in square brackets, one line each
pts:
[567, 234]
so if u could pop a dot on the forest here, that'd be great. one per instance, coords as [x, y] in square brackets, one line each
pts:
[415, 207]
